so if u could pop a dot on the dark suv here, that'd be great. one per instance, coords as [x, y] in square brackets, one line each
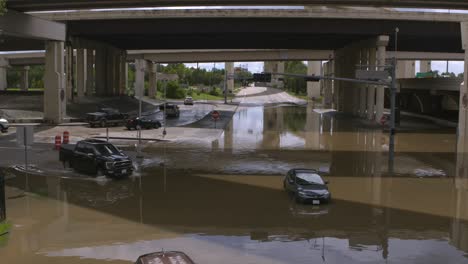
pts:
[307, 186]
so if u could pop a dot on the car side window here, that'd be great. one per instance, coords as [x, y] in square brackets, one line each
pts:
[80, 147]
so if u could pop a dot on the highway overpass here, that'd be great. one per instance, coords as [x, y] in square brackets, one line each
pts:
[35, 5]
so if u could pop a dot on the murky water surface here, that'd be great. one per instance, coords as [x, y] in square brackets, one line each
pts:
[223, 202]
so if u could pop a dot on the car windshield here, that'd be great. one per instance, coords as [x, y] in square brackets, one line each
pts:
[307, 178]
[107, 150]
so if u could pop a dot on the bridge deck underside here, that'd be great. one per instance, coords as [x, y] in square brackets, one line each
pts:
[36, 5]
[256, 33]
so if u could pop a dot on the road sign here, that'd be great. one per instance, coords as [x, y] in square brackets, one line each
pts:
[24, 136]
[215, 115]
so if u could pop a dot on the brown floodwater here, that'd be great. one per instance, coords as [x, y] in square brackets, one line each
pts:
[223, 202]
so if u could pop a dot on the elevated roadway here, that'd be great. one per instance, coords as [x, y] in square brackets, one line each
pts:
[188, 56]
[35, 5]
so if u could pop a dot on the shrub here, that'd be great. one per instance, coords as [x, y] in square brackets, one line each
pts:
[215, 91]
[174, 91]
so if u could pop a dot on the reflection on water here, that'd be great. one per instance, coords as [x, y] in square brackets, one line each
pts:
[226, 205]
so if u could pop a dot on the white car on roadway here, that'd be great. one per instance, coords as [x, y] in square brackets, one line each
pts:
[188, 100]
[4, 125]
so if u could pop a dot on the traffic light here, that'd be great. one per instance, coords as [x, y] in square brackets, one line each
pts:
[262, 77]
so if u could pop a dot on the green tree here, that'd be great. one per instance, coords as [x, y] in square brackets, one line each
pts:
[3, 8]
[174, 91]
[297, 85]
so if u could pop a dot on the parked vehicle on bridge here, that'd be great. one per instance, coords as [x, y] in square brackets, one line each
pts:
[143, 123]
[188, 100]
[307, 186]
[96, 157]
[105, 117]
[165, 257]
[4, 125]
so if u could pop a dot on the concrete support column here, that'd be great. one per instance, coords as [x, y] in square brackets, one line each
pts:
[382, 42]
[425, 66]
[110, 73]
[24, 83]
[123, 69]
[152, 79]
[356, 87]
[139, 77]
[371, 89]
[89, 72]
[363, 87]
[280, 69]
[229, 67]
[313, 88]
[3, 74]
[405, 69]
[337, 84]
[54, 83]
[81, 67]
[69, 71]
[116, 72]
[328, 84]
[100, 76]
[462, 142]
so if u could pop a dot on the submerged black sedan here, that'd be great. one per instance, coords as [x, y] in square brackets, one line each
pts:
[307, 186]
[142, 123]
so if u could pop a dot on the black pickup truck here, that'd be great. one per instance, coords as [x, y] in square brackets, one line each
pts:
[96, 157]
[105, 117]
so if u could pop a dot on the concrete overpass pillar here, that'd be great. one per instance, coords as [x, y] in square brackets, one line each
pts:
[100, 62]
[123, 73]
[81, 66]
[24, 83]
[313, 88]
[110, 73]
[229, 67]
[405, 69]
[152, 79]
[337, 84]
[69, 71]
[425, 66]
[363, 87]
[54, 83]
[328, 84]
[89, 72]
[139, 77]
[382, 42]
[371, 89]
[280, 69]
[3, 73]
[462, 142]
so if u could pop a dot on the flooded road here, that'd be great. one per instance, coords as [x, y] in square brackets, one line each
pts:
[223, 201]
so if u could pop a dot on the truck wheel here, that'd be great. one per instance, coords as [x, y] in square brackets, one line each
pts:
[103, 123]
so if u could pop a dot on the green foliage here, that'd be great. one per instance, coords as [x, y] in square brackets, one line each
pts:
[3, 8]
[296, 85]
[215, 91]
[174, 91]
